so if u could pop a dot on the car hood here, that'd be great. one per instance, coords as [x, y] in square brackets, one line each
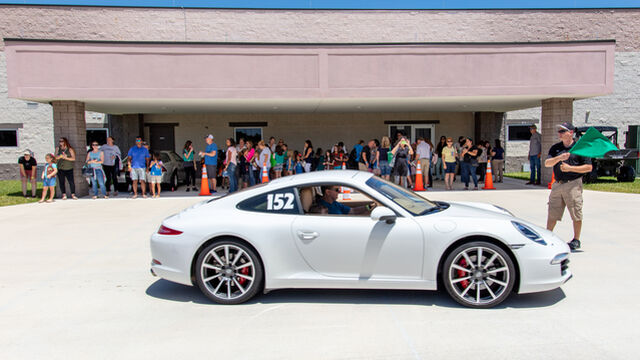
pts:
[475, 209]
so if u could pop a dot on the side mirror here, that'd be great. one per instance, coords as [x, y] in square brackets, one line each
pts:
[385, 214]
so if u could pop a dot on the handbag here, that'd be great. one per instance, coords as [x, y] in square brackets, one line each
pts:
[87, 171]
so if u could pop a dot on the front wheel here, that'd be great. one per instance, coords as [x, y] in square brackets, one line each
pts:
[479, 274]
[228, 272]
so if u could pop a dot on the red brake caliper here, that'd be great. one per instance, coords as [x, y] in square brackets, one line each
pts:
[243, 271]
[461, 273]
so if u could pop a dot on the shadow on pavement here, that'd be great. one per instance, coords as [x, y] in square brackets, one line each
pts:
[166, 290]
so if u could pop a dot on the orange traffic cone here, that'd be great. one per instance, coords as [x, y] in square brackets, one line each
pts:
[204, 183]
[265, 173]
[344, 165]
[346, 193]
[553, 179]
[488, 178]
[419, 185]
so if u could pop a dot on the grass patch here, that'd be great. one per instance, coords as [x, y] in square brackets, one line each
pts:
[605, 183]
[11, 193]
[518, 175]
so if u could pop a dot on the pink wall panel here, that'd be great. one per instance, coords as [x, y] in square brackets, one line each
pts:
[82, 71]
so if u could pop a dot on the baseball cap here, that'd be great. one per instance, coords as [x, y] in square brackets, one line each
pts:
[566, 126]
[533, 126]
[27, 152]
[209, 137]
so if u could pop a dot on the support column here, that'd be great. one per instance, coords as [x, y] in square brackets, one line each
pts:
[69, 122]
[555, 111]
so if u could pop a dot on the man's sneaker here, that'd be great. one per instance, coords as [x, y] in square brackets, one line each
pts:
[529, 183]
[574, 244]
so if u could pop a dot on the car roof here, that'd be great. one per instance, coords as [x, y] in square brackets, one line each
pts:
[323, 176]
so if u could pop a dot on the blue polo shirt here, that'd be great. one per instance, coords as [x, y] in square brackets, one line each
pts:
[358, 151]
[335, 207]
[138, 156]
[211, 160]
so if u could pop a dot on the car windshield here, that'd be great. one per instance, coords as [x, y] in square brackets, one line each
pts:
[405, 198]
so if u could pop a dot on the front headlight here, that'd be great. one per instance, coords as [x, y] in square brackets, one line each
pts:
[529, 233]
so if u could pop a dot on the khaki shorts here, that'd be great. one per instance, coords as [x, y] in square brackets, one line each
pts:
[567, 195]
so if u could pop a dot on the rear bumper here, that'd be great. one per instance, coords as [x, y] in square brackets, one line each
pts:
[172, 262]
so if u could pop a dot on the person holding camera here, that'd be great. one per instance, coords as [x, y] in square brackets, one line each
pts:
[402, 152]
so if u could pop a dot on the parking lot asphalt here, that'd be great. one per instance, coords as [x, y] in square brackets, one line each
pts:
[75, 284]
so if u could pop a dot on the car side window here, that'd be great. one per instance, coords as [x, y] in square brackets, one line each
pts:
[339, 201]
[282, 201]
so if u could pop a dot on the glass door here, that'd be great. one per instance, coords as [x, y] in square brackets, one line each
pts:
[423, 131]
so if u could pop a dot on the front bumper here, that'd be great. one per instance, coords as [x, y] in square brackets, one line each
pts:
[538, 271]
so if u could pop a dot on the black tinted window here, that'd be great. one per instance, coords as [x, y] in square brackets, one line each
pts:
[164, 158]
[283, 201]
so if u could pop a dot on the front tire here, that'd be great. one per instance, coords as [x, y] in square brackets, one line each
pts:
[479, 274]
[229, 272]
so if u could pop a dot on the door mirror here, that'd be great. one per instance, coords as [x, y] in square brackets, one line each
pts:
[385, 214]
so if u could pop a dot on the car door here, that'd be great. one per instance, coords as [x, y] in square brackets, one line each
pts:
[358, 247]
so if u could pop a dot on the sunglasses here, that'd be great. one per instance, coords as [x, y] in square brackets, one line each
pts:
[562, 131]
[138, 140]
[94, 144]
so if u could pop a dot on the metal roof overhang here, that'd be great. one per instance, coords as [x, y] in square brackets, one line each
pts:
[151, 77]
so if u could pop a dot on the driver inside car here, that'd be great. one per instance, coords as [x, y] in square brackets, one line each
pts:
[329, 200]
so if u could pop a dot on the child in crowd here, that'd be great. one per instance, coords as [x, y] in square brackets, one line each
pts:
[155, 173]
[291, 162]
[243, 169]
[299, 167]
[49, 179]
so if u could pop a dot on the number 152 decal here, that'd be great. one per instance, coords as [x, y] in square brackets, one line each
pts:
[280, 201]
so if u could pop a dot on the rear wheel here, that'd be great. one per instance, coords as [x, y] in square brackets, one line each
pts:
[228, 272]
[626, 174]
[479, 274]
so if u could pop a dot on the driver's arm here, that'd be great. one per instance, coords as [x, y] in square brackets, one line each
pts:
[365, 209]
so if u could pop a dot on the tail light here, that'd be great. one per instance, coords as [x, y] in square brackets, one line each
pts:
[168, 231]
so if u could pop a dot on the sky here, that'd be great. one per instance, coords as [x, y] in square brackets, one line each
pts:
[348, 4]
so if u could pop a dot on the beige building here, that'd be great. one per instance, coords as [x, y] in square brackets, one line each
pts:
[327, 75]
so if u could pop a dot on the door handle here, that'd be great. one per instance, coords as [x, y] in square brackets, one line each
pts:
[307, 235]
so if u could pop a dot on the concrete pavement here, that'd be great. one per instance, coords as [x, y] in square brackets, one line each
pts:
[75, 284]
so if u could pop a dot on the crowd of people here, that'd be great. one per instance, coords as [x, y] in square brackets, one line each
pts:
[240, 165]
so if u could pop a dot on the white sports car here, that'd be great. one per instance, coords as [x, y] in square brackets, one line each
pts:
[302, 232]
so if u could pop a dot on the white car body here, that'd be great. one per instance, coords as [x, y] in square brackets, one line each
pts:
[353, 251]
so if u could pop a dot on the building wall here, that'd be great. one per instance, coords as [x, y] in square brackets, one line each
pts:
[324, 130]
[325, 26]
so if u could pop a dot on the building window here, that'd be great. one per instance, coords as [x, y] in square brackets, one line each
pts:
[9, 138]
[519, 132]
[247, 133]
[98, 135]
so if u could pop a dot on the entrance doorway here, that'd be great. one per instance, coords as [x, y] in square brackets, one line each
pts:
[162, 137]
[412, 131]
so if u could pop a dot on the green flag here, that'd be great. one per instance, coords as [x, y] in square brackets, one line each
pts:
[592, 144]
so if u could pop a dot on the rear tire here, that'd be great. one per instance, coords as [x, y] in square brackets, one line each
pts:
[478, 283]
[626, 174]
[229, 272]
